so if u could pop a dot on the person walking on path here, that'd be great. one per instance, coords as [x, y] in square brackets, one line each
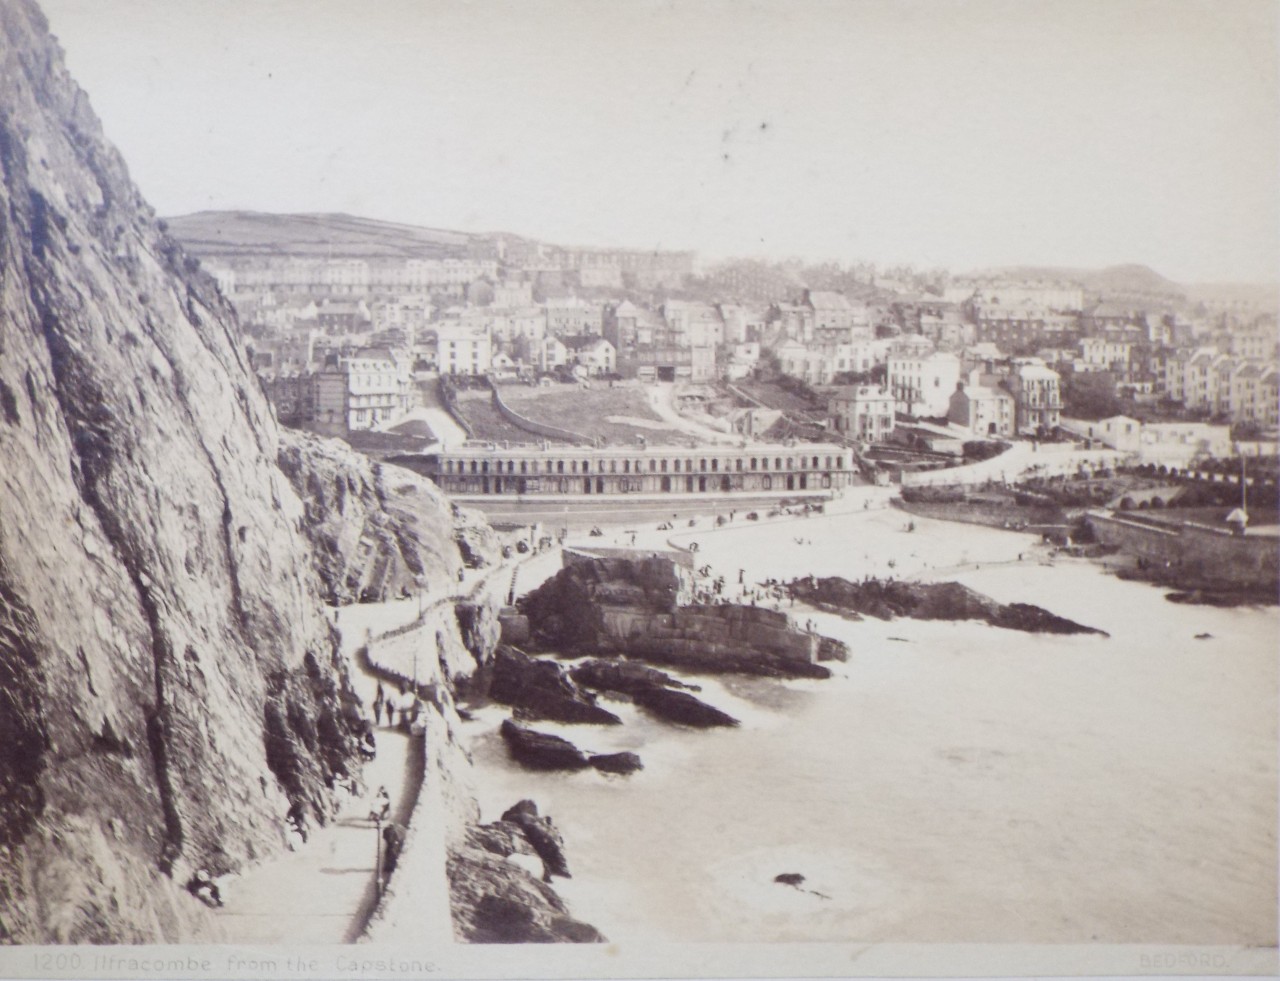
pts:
[378, 701]
[381, 807]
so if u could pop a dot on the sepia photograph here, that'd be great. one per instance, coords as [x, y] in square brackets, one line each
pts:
[716, 488]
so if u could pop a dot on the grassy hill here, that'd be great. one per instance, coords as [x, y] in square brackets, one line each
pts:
[1126, 280]
[246, 233]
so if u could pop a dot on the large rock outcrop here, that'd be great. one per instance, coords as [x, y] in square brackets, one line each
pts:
[638, 607]
[497, 901]
[378, 531]
[167, 680]
[887, 599]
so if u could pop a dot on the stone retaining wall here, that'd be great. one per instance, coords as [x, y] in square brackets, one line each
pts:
[1207, 553]
[537, 428]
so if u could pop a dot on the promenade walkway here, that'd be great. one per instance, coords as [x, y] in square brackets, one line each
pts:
[323, 892]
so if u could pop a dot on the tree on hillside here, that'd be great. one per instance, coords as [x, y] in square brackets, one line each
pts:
[1090, 395]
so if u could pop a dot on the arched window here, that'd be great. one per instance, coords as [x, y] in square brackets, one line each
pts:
[626, 466]
[560, 469]
[738, 464]
[702, 464]
[653, 466]
[676, 466]
[664, 466]
[573, 466]
[777, 464]
[755, 464]
[524, 466]
[586, 465]
[715, 464]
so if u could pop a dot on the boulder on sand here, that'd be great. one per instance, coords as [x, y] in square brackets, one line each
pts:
[541, 750]
[683, 708]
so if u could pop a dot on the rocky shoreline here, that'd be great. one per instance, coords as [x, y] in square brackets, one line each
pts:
[890, 599]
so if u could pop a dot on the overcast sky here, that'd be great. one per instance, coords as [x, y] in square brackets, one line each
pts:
[962, 134]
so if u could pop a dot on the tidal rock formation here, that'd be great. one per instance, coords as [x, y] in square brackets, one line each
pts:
[637, 607]
[621, 763]
[541, 750]
[168, 683]
[624, 677]
[683, 708]
[377, 531]
[496, 902]
[547, 842]
[886, 600]
[542, 690]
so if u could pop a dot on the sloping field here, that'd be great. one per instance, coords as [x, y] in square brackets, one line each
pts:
[618, 415]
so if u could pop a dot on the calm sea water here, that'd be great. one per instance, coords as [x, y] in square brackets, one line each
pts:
[953, 782]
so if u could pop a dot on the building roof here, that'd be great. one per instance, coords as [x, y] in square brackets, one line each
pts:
[827, 300]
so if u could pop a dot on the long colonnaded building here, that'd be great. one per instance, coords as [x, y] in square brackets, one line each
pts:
[485, 468]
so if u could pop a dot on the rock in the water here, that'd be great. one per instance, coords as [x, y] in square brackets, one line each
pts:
[625, 677]
[541, 750]
[617, 763]
[542, 835]
[681, 707]
[888, 599]
[542, 690]
[789, 879]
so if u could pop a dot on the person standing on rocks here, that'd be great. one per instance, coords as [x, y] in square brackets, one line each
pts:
[378, 701]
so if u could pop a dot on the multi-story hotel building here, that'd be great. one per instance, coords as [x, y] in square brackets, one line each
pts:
[477, 469]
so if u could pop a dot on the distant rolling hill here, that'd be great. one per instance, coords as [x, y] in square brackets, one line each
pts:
[254, 233]
[1112, 281]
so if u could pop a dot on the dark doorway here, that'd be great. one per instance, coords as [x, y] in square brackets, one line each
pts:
[666, 372]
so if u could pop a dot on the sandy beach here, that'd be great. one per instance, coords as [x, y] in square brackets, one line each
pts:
[954, 782]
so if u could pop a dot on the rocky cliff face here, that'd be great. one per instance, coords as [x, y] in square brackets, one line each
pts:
[378, 530]
[167, 680]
